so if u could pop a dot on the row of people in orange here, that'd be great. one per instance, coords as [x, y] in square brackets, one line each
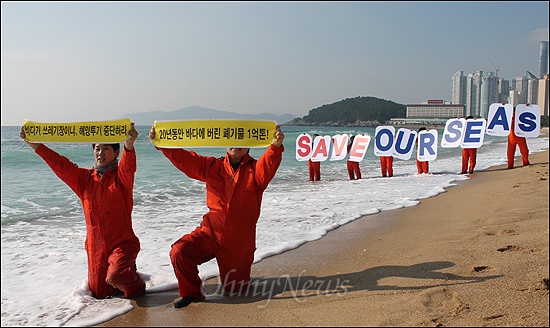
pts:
[469, 155]
[469, 158]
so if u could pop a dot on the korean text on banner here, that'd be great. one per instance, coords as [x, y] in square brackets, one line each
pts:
[89, 132]
[214, 133]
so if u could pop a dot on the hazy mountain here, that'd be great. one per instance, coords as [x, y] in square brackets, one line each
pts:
[201, 113]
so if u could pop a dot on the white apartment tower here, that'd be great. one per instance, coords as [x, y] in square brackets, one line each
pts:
[473, 93]
[489, 93]
[459, 88]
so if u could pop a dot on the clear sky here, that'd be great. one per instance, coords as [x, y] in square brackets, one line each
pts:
[91, 61]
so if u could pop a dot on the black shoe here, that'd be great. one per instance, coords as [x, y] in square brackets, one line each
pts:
[184, 301]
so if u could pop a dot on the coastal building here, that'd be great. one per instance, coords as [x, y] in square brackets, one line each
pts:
[473, 93]
[488, 94]
[543, 59]
[459, 88]
[434, 112]
[542, 100]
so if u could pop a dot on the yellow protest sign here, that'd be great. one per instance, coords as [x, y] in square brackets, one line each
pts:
[89, 132]
[214, 133]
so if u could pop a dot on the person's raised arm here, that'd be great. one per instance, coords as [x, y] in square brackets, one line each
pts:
[23, 135]
[131, 138]
[152, 133]
[279, 137]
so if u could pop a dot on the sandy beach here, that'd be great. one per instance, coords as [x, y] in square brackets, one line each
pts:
[475, 255]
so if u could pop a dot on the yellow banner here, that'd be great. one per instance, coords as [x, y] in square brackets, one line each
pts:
[214, 133]
[90, 132]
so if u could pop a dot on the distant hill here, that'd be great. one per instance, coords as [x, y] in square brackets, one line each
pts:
[201, 113]
[358, 111]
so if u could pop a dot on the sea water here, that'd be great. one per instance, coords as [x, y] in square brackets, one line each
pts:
[44, 268]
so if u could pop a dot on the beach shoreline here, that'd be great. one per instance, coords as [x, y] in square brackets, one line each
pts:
[474, 255]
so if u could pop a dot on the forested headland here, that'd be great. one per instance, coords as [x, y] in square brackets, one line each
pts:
[358, 111]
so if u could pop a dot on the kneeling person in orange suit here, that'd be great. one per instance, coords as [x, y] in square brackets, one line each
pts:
[234, 187]
[106, 193]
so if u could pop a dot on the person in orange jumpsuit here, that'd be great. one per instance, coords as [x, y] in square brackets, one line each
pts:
[422, 166]
[353, 167]
[106, 193]
[469, 156]
[234, 187]
[386, 163]
[314, 168]
[513, 142]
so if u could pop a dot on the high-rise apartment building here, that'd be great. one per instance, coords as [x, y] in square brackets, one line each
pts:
[503, 90]
[459, 88]
[473, 93]
[543, 59]
[488, 94]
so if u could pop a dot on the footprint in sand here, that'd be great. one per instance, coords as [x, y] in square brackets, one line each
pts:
[508, 248]
[480, 268]
[507, 231]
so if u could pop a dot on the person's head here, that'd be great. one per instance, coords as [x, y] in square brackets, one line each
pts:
[422, 129]
[237, 154]
[469, 117]
[105, 153]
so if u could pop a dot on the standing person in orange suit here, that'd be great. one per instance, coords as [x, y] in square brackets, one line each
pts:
[235, 185]
[514, 141]
[353, 167]
[422, 167]
[314, 168]
[386, 163]
[469, 156]
[106, 193]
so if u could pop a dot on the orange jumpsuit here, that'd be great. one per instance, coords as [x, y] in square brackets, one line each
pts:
[353, 168]
[228, 230]
[386, 163]
[314, 169]
[514, 141]
[422, 167]
[469, 156]
[111, 244]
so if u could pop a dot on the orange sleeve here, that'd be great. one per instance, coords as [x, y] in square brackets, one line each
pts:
[267, 165]
[66, 170]
[192, 164]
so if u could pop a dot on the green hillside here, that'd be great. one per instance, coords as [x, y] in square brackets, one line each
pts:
[358, 111]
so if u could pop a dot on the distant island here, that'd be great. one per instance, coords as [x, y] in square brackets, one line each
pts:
[358, 111]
